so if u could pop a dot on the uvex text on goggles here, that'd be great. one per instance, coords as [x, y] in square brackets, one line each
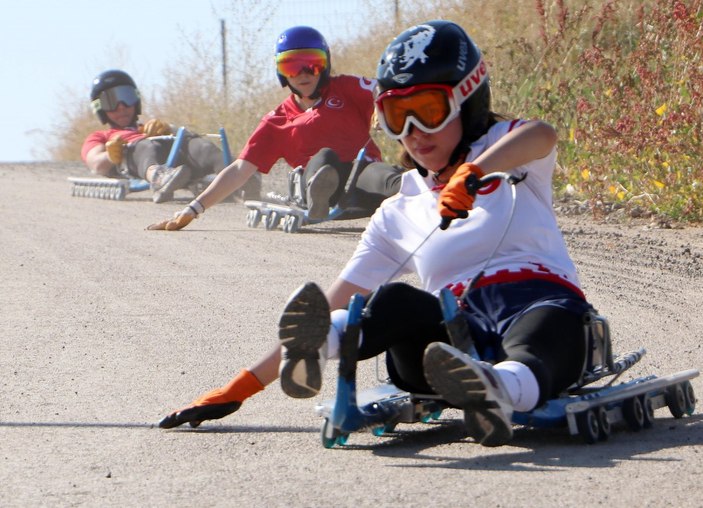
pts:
[292, 62]
[430, 107]
[109, 99]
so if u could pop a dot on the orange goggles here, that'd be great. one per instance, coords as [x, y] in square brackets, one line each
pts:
[292, 62]
[430, 107]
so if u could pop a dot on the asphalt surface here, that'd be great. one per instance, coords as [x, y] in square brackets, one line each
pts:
[107, 327]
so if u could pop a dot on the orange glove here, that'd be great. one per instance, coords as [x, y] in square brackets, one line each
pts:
[114, 148]
[155, 127]
[180, 219]
[457, 197]
[216, 403]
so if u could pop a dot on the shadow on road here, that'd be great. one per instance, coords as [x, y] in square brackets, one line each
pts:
[542, 449]
[229, 429]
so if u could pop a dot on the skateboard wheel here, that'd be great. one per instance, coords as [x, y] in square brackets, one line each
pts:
[648, 411]
[690, 397]
[604, 426]
[327, 434]
[272, 220]
[633, 413]
[588, 426]
[330, 436]
[253, 218]
[286, 224]
[383, 429]
[291, 223]
[676, 400]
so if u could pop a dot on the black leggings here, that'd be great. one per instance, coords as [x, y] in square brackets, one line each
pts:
[403, 320]
[375, 182]
[201, 156]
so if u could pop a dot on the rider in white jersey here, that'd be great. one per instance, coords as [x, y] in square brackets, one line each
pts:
[533, 242]
[518, 288]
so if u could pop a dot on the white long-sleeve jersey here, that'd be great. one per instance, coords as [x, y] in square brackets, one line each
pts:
[533, 246]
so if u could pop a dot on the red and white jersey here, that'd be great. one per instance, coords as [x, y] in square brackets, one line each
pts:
[340, 121]
[533, 246]
[96, 138]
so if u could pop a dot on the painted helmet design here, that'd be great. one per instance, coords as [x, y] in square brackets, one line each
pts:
[109, 89]
[440, 52]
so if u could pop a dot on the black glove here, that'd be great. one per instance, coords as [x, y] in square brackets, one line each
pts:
[195, 415]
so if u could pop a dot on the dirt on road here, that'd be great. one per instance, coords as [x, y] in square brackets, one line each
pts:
[106, 327]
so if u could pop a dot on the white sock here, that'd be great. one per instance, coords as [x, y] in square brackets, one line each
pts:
[520, 383]
[339, 321]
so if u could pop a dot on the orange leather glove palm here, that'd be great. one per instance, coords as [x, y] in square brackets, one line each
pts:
[156, 127]
[457, 197]
[115, 149]
[180, 220]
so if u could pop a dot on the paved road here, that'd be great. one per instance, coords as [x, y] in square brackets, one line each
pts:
[107, 327]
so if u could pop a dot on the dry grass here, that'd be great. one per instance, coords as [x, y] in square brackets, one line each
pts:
[621, 80]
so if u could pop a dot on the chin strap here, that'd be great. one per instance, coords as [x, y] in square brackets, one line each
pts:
[455, 159]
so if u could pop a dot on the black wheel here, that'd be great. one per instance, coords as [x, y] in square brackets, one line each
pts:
[676, 400]
[690, 397]
[648, 411]
[588, 426]
[633, 413]
[603, 424]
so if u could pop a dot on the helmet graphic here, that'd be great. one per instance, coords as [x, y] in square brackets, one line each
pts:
[303, 37]
[109, 89]
[440, 52]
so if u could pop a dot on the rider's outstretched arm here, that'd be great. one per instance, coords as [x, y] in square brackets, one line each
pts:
[225, 400]
[225, 183]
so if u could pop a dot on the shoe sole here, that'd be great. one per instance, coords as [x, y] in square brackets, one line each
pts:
[466, 388]
[179, 179]
[303, 329]
[322, 185]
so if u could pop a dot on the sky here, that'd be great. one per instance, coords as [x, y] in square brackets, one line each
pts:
[50, 49]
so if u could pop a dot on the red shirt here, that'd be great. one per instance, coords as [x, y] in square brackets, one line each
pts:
[101, 137]
[341, 121]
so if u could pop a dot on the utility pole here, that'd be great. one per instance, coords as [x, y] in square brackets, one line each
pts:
[223, 37]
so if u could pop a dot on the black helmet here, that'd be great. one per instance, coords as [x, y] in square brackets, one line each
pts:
[109, 89]
[304, 37]
[441, 52]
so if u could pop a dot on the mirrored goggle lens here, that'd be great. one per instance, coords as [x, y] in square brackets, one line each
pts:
[110, 98]
[293, 62]
[431, 107]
